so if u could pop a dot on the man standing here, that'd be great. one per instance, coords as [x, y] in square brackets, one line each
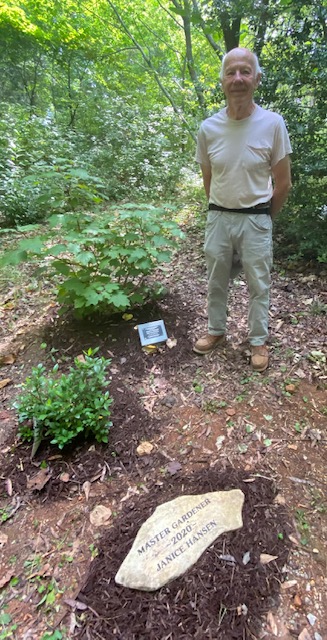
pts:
[243, 152]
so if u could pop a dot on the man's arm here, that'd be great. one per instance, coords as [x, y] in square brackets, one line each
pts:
[282, 184]
[206, 176]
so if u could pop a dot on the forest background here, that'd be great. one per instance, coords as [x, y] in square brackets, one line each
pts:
[101, 101]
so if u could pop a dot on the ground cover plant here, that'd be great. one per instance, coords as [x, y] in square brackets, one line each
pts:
[61, 407]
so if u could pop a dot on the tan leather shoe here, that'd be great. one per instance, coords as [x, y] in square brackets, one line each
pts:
[259, 358]
[208, 343]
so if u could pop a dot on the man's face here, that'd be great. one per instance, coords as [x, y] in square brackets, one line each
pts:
[239, 77]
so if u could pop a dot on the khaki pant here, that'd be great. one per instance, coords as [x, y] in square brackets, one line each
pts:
[249, 236]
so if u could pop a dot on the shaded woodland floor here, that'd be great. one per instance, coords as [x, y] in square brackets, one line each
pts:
[211, 423]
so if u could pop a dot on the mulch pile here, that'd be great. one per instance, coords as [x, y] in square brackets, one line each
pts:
[215, 599]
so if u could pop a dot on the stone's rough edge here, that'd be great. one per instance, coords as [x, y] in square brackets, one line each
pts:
[170, 507]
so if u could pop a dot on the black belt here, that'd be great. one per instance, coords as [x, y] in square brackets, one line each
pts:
[264, 207]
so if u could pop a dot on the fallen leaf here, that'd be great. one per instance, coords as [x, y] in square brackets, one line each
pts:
[290, 388]
[9, 487]
[144, 449]
[80, 358]
[279, 499]
[265, 558]
[64, 477]
[171, 342]
[100, 515]
[3, 383]
[299, 373]
[297, 601]
[8, 359]
[279, 324]
[246, 557]
[304, 635]
[272, 623]
[86, 488]
[173, 467]
[127, 316]
[6, 578]
[288, 584]
[231, 411]
[150, 348]
[37, 482]
[149, 404]
[219, 442]
[3, 539]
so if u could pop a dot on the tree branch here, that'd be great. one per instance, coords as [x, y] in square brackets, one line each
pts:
[152, 68]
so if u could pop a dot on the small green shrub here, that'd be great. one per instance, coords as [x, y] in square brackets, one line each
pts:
[102, 261]
[60, 408]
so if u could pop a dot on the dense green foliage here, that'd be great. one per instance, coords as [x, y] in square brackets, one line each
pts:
[61, 408]
[104, 100]
[102, 260]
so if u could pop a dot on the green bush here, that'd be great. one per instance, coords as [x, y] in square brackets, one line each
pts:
[103, 261]
[61, 408]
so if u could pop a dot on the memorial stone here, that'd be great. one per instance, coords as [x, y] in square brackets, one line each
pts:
[176, 535]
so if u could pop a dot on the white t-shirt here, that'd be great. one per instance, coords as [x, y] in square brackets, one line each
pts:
[241, 154]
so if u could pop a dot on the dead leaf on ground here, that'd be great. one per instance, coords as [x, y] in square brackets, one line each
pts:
[272, 623]
[304, 635]
[279, 499]
[37, 482]
[6, 578]
[144, 449]
[80, 357]
[3, 539]
[299, 373]
[231, 411]
[290, 388]
[288, 584]
[297, 601]
[150, 348]
[8, 484]
[5, 382]
[279, 324]
[265, 558]
[64, 477]
[173, 467]
[149, 404]
[171, 342]
[100, 515]
[10, 358]
[86, 488]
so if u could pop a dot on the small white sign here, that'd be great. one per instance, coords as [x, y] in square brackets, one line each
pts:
[152, 332]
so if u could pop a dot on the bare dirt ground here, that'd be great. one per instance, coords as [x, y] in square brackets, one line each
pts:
[203, 417]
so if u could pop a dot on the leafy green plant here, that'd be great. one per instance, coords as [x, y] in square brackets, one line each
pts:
[6, 628]
[52, 635]
[103, 262]
[61, 408]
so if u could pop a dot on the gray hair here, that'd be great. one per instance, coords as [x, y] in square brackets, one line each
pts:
[257, 68]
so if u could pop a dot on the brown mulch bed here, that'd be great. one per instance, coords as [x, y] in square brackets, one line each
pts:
[217, 598]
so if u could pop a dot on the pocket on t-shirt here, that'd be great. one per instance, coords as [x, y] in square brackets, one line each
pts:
[259, 153]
